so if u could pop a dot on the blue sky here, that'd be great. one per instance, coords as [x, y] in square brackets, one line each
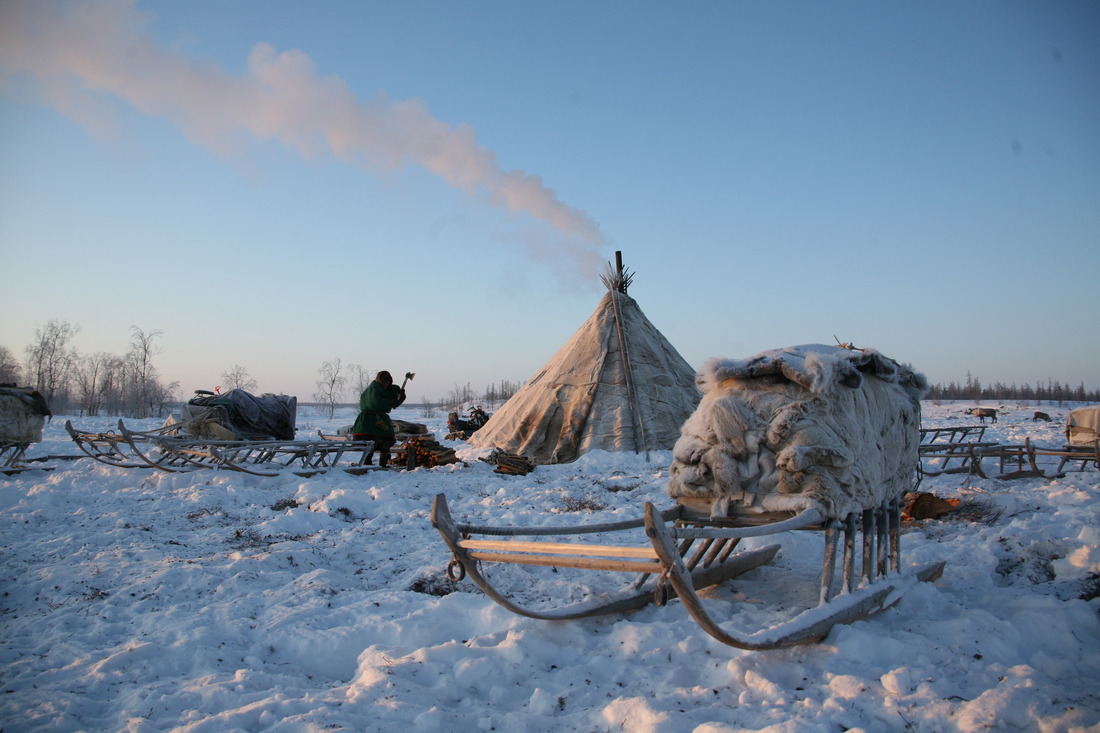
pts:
[435, 187]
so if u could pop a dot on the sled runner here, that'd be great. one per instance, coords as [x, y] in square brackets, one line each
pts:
[170, 449]
[869, 580]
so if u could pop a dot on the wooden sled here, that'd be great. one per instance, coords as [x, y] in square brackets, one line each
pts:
[165, 449]
[110, 448]
[1024, 460]
[664, 565]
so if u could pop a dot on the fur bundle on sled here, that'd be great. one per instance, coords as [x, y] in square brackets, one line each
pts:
[788, 429]
[23, 413]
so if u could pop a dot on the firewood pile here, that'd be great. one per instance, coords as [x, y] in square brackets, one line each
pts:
[510, 464]
[423, 451]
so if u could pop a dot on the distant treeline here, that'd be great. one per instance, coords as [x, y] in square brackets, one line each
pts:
[1053, 392]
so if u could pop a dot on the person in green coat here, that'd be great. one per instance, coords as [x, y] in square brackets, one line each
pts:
[373, 422]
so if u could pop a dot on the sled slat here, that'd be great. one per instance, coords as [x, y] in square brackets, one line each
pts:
[564, 561]
[564, 548]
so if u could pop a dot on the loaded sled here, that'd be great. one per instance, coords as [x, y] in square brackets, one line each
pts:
[806, 438]
[23, 414]
[236, 431]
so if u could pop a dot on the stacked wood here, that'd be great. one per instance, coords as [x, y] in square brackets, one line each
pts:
[426, 452]
[513, 465]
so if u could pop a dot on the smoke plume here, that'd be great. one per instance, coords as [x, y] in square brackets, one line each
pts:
[69, 49]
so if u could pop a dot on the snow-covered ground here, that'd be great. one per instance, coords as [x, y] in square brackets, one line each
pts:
[134, 600]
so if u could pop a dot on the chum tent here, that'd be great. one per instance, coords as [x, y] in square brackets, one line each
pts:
[617, 384]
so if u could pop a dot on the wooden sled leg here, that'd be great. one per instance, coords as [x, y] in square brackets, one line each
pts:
[103, 447]
[811, 625]
[467, 553]
[169, 460]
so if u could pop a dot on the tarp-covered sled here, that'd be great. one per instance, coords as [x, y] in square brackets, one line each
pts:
[235, 431]
[23, 413]
[238, 415]
[808, 437]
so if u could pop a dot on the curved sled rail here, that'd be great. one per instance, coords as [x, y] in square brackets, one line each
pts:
[647, 587]
[664, 563]
[109, 448]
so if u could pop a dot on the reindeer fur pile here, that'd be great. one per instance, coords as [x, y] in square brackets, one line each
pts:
[802, 426]
[23, 414]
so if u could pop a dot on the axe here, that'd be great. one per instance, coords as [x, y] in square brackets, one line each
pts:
[408, 376]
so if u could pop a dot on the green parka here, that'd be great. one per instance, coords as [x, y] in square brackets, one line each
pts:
[374, 404]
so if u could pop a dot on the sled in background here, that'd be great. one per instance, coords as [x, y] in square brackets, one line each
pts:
[23, 414]
[940, 446]
[973, 456]
[778, 443]
[166, 449]
[236, 431]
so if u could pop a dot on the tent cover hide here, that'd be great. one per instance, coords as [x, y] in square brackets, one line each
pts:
[617, 384]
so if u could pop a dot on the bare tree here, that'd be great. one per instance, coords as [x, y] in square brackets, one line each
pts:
[50, 360]
[238, 378]
[96, 376]
[143, 374]
[330, 385]
[10, 371]
[360, 378]
[461, 395]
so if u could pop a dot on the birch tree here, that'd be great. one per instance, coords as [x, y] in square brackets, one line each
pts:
[330, 385]
[10, 371]
[238, 378]
[50, 360]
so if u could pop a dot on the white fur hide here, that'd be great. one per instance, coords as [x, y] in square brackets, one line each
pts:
[22, 415]
[797, 427]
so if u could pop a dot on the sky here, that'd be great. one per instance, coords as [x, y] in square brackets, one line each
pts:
[436, 187]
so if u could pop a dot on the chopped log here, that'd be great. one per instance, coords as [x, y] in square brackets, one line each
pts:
[424, 452]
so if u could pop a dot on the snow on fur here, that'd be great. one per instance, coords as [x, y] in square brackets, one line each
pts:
[802, 426]
[23, 414]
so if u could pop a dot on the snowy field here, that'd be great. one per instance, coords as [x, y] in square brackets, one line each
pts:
[134, 600]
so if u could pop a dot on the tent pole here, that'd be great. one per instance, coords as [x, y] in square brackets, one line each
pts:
[630, 397]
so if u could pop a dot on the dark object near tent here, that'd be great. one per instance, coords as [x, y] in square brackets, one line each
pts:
[455, 425]
[241, 416]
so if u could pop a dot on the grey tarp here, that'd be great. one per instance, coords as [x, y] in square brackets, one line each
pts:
[247, 416]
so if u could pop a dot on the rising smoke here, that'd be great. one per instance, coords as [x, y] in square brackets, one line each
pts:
[72, 48]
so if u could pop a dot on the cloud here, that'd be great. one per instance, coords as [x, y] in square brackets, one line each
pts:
[71, 50]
